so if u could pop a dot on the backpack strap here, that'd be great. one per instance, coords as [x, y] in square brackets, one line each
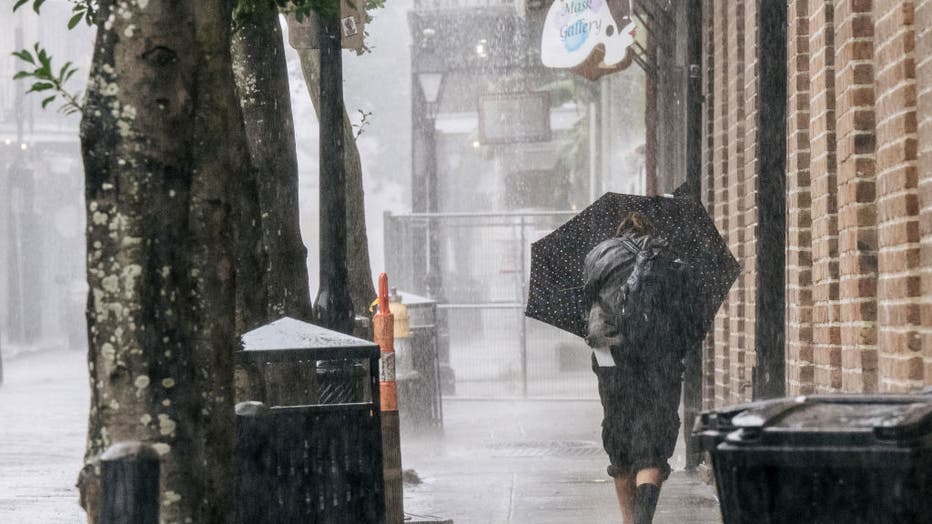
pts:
[631, 246]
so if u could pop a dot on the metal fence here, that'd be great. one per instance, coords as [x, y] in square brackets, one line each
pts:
[484, 262]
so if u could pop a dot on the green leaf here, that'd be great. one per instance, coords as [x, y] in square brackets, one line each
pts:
[45, 59]
[68, 75]
[75, 20]
[36, 5]
[22, 74]
[40, 86]
[25, 56]
[48, 100]
[63, 71]
[18, 4]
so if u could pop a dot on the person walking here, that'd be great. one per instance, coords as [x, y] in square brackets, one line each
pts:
[639, 327]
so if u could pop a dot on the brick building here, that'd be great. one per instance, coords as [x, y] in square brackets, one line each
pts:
[831, 220]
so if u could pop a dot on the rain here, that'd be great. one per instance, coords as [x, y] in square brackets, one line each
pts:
[471, 261]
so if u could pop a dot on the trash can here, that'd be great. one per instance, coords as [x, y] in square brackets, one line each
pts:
[418, 365]
[822, 459]
[308, 442]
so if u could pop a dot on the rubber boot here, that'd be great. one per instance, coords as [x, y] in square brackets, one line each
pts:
[645, 502]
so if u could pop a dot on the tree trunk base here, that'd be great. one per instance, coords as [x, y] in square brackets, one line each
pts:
[89, 489]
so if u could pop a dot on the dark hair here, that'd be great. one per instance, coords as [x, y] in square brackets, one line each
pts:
[635, 222]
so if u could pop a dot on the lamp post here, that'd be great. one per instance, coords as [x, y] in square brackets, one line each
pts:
[430, 80]
[429, 68]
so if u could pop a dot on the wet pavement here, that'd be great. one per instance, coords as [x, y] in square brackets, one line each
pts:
[496, 462]
[530, 462]
[43, 416]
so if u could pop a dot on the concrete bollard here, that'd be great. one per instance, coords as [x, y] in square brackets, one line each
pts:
[129, 480]
[388, 390]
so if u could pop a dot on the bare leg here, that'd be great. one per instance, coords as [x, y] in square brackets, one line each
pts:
[649, 476]
[624, 488]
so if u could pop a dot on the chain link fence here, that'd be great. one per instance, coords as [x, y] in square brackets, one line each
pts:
[483, 263]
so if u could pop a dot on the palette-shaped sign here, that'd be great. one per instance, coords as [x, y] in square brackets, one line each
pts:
[584, 36]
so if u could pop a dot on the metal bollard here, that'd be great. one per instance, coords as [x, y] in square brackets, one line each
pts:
[129, 480]
[251, 493]
[388, 392]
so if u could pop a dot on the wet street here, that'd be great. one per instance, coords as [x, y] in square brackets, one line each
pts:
[497, 462]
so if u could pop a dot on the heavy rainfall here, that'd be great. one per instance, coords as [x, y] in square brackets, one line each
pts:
[471, 261]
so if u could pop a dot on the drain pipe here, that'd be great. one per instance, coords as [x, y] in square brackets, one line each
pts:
[593, 152]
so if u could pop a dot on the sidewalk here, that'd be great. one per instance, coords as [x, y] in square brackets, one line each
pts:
[43, 424]
[498, 462]
[531, 462]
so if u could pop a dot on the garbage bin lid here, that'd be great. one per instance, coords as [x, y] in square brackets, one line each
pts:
[288, 339]
[721, 419]
[410, 299]
[838, 416]
[885, 415]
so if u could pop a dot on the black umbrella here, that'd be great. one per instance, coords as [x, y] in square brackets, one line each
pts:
[556, 295]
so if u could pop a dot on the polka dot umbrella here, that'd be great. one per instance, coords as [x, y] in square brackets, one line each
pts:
[556, 294]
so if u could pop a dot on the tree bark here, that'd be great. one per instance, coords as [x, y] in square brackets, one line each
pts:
[362, 291]
[262, 87]
[166, 165]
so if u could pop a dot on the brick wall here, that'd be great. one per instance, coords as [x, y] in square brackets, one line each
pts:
[749, 194]
[924, 86]
[824, 189]
[708, 175]
[736, 306]
[800, 367]
[721, 189]
[730, 186]
[857, 223]
[898, 286]
[859, 193]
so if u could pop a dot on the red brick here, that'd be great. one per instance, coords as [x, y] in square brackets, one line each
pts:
[900, 368]
[900, 260]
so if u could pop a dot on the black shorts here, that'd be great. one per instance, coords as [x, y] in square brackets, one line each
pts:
[640, 404]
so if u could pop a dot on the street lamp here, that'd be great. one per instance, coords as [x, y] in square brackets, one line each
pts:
[429, 68]
[431, 82]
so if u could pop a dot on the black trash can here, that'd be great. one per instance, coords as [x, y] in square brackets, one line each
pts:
[308, 443]
[822, 459]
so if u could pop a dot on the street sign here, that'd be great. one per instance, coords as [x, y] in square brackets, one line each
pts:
[585, 37]
[352, 24]
[508, 118]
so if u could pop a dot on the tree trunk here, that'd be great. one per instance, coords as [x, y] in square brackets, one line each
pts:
[262, 87]
[362, 291]
[165, 161]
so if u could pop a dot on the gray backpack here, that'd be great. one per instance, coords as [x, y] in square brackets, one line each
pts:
[652, 301]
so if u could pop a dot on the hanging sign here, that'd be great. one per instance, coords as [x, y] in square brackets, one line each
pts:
[303, 35]
[509, 118]
[583, 36]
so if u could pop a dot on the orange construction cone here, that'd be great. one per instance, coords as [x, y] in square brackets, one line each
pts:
[384, 328]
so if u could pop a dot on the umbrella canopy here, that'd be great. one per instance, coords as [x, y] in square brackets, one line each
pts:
[556, 284]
